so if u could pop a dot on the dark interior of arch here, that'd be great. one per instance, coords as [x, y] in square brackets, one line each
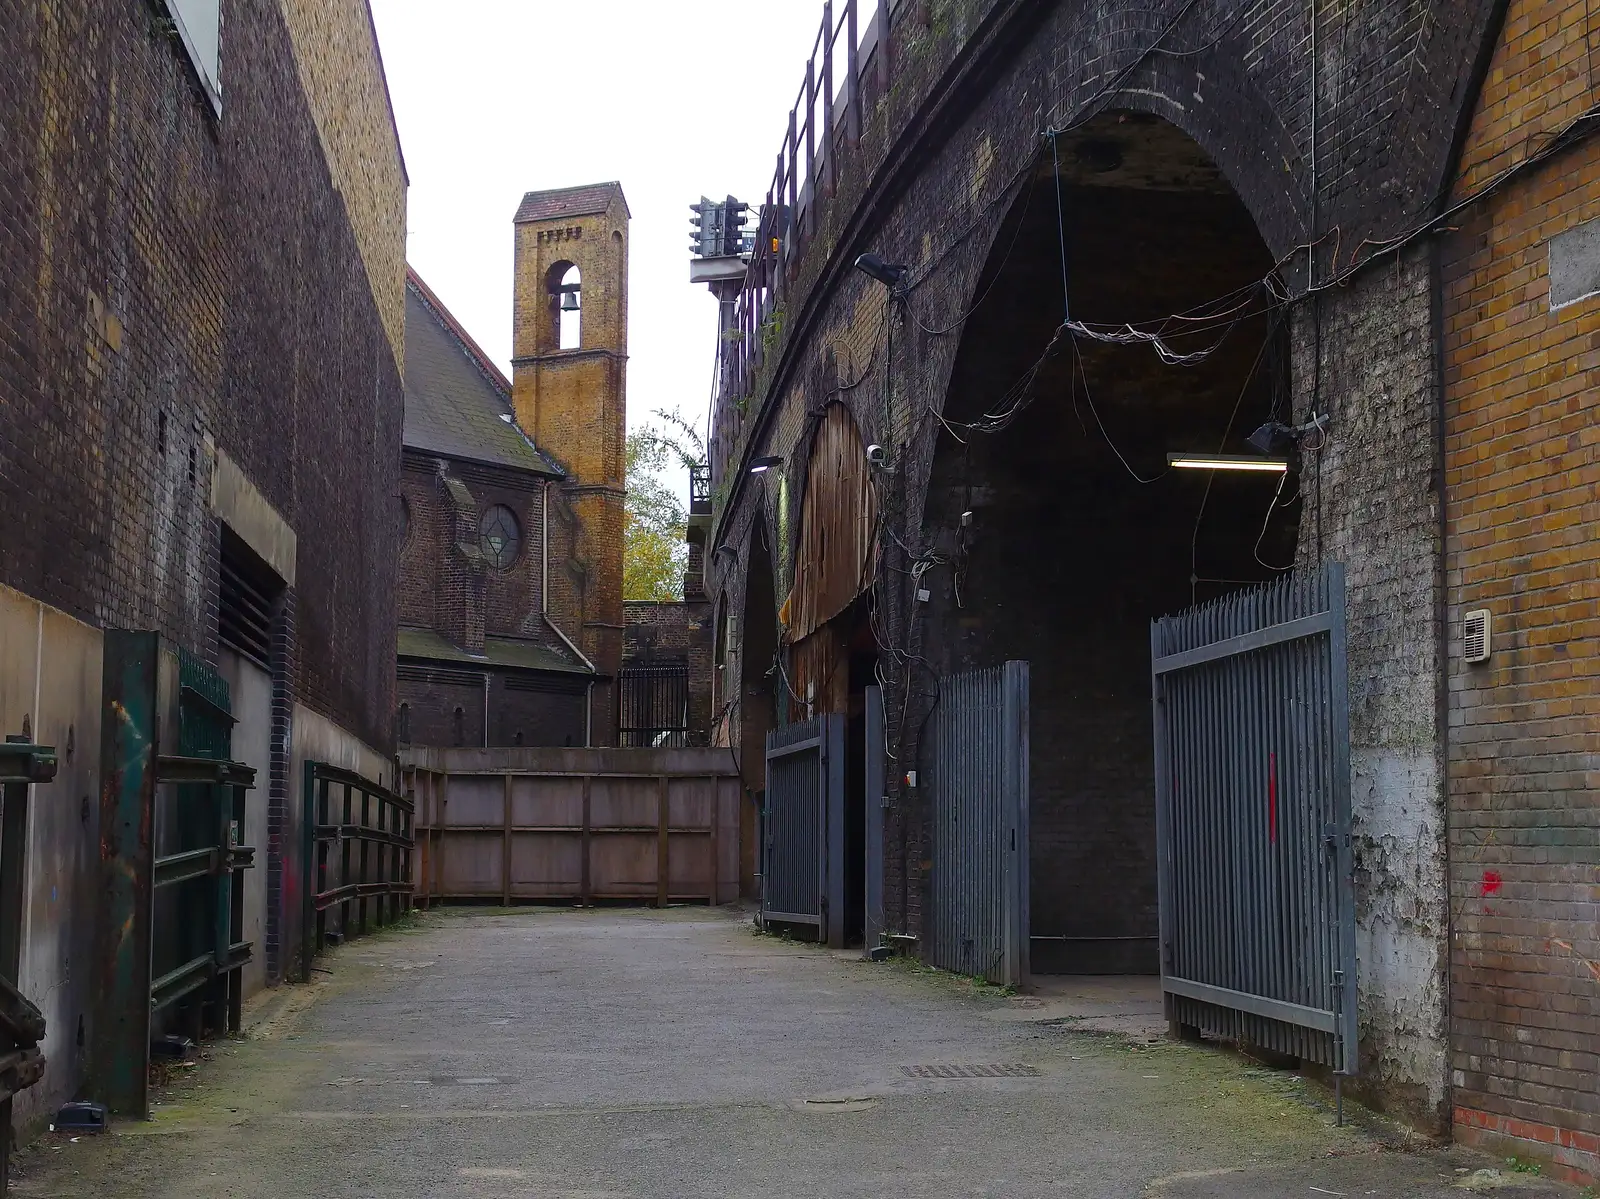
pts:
[1069, 556]
[756, 693]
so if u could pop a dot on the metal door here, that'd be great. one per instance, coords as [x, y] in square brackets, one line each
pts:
[977, 753]
[1253, 818]
[805, 787]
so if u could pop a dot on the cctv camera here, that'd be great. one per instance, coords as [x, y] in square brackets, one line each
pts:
[877, 455]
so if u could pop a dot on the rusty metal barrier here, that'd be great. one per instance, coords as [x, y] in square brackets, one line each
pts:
[358, 848]
[541, 825]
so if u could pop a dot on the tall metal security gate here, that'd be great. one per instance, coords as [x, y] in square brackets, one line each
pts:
[977, 754]
[655, 706]
[1253, 818]
[805, 802]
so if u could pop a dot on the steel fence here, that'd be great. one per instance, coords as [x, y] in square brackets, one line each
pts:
[1253, 818]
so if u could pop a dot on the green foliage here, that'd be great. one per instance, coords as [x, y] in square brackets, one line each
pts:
[654, 552]
[1520, 1165]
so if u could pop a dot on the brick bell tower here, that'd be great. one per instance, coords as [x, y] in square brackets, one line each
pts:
[569, 388]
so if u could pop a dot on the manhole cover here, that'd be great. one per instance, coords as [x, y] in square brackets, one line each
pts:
[985, 1070]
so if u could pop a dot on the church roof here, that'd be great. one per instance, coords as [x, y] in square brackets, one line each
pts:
[569, 201]
[505, 652]
[458, 403]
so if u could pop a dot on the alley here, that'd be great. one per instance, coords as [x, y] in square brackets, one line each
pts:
[622, 1052]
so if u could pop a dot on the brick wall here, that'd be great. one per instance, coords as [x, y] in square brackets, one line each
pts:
[662, 633]
[1371, 501]
[1522, 463]
[573, 403]
[944, 159]
[510, 596]
[170, 286]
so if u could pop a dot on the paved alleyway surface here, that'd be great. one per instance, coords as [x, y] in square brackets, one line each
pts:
[619, 1053]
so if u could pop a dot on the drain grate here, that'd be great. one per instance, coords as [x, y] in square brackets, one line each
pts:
[986, 1070]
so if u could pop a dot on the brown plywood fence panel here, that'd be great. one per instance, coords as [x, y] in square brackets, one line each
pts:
[565, 825]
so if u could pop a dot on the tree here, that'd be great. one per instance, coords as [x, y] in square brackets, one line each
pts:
[654, 552]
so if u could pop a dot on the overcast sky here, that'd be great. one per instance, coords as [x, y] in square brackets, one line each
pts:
[499, 97]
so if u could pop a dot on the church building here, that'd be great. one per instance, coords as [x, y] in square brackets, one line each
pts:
[511, 609]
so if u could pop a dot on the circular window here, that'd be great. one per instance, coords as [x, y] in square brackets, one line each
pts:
[499, 537]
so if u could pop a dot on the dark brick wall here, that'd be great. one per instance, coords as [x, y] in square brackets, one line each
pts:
[511, 596]
[659, 634]
[172, 283]
[522, 710]
[441, 590]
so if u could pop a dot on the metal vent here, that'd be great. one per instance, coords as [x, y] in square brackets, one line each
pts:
[960, 1070]
[1475, 634]
[248, 593]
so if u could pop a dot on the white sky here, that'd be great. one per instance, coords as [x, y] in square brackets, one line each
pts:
[499, 97]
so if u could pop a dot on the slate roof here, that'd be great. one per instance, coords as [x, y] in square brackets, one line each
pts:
[455, 396]
[569, 201]
[497, 651]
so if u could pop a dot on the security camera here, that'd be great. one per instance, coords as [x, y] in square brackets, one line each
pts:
[877, 455]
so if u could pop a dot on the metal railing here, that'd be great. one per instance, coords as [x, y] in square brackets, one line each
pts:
[358, 842]
[824, 127]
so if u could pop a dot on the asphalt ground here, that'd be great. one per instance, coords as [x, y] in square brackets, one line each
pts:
[619, 1052]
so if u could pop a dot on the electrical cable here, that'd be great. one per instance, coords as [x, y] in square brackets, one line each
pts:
[1267, 520]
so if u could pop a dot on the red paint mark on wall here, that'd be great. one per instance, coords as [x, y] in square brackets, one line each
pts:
[1272, 797]
[1492, 882]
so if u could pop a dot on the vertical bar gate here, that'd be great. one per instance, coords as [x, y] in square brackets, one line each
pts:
[978, 802]
[805, 784]
[1253, 818]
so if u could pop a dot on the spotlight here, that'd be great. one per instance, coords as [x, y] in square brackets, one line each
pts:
[760, 466]
[1277, 438]
[886, 273]
[1225, 462]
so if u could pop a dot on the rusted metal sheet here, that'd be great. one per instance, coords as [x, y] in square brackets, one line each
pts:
[652, 825]
[128, 756]
[838, 523]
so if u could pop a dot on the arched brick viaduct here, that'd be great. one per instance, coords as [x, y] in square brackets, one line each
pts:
[1343, 136]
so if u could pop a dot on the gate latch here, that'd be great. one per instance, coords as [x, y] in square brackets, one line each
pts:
[1331, 838]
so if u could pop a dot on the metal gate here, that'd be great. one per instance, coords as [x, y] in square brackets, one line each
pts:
[977, 751]
[805, 792]
[655, 706]
[1253, 818]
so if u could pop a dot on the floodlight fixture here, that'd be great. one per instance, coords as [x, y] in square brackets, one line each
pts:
[760, 466]
[887, 273]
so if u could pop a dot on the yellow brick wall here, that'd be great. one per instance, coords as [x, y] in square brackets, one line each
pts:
[1522, 467]
[341, 72]
[573, 403]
